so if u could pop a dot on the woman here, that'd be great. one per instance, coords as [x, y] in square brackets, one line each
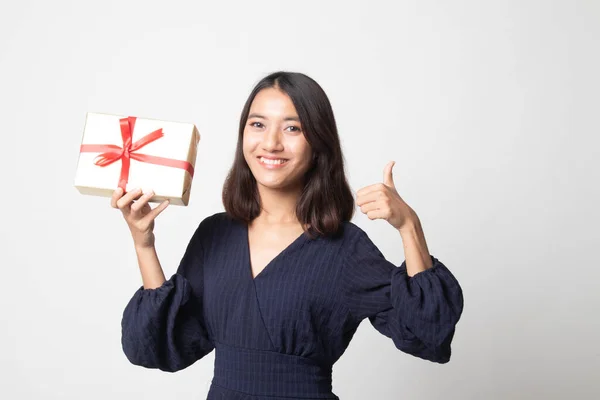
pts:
[278, 284]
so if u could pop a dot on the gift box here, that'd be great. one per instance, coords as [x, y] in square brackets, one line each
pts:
[129, 152]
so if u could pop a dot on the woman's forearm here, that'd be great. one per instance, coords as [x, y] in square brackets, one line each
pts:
[416, 253]
[150, 268]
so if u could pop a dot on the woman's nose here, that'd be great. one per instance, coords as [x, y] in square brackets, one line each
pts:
[272, 139]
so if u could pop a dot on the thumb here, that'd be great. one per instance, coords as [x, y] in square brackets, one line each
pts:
[388, 178]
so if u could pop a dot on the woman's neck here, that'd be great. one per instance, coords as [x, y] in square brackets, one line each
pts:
[278, 207]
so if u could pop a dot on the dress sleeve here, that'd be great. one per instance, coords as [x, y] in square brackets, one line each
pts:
[164, 327]
[418, 313]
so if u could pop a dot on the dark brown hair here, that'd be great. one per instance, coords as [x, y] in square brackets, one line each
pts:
[326, 200]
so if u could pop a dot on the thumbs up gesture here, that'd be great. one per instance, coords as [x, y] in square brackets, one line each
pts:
[382, 201]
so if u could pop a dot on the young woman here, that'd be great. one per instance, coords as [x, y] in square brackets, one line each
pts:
[278, 284]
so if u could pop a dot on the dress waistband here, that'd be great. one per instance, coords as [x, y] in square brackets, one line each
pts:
[269, 373]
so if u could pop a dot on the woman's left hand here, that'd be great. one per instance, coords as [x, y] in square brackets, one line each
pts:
[382, 201]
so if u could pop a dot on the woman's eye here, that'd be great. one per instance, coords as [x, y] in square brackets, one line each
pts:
[295, 128]
[254, 124]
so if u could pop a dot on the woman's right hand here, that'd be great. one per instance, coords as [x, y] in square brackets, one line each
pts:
[138, 215]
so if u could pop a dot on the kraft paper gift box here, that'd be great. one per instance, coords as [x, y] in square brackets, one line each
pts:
[129, 152]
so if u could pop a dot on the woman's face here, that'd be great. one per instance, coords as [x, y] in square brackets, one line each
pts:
[273, 131]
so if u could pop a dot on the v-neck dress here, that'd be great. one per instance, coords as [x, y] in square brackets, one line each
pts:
[278, 335]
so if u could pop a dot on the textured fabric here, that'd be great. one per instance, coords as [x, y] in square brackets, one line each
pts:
[278, 336]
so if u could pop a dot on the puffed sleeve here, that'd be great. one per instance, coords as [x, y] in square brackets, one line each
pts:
[164, 327]
[418, 313]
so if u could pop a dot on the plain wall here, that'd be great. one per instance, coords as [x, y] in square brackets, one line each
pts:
[489, 108]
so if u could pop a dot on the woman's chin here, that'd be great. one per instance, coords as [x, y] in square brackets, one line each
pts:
[276, 185]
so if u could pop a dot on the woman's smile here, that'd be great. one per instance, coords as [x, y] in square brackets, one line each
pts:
[272, 163]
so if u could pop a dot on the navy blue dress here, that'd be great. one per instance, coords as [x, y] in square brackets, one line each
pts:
[277, 336]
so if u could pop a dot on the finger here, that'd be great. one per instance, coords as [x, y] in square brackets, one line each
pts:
[137, 206]
[371, 188]
[115, 197]
[378, 214]
[366, 208]
[368, 198]
[388, 178]
[125, 201]
[156, 211]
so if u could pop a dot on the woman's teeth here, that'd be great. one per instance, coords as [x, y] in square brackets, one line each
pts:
[271, 162]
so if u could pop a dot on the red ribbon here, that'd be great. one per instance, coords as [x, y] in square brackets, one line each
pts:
[114, 153]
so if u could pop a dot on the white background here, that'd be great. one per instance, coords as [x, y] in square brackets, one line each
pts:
[489, 108]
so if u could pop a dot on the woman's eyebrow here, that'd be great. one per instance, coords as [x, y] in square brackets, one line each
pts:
[255, 115]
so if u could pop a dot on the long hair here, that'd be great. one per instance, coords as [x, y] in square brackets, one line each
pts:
[326, 201]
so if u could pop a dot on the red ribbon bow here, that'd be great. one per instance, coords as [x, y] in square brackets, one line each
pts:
[114, 153]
